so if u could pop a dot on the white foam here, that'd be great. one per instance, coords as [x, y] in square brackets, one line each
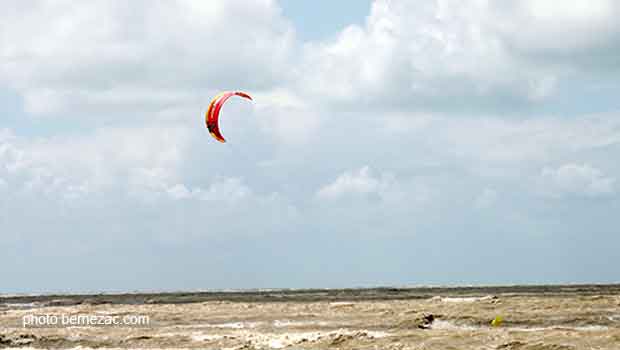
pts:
[21, 305]
[462, 299]
[283, 340]
[233, 325]
[206, 337]
[447, 325]
[277, 344]
[591, 328]
[289, 323]
[263, 340]
[341, 304]
[229, 325]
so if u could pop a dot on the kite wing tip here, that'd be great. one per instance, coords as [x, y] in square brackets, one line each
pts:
[243, 94]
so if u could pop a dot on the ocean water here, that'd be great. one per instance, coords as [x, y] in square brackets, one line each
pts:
[535, 317]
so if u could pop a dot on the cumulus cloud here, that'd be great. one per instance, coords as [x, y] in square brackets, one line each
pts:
[577, 179]
[448, 54]
[120, 61]
[286, 116]
[523, 141]
[541, 28]
[77, 195]
[231, 189]
[104, 159]
[104, 58]
[361, 182]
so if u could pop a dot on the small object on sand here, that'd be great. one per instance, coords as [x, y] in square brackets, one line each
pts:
[497, 321]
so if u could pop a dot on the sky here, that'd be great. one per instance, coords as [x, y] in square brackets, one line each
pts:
[389, 142]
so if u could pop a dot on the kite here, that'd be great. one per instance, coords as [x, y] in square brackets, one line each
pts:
[213, 112]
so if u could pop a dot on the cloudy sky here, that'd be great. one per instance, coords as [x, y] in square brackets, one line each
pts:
[389, 143]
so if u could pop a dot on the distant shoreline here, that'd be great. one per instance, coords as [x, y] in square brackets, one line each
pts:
[305, 295]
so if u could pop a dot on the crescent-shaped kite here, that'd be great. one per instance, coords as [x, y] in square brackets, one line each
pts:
[213, 113]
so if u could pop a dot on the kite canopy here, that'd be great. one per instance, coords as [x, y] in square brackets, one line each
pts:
[213, 113]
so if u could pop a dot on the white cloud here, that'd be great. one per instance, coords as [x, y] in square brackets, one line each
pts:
[230, 190]
[108, 158]
[104, 57]
[492, 140]
[179, 191]
[10, 156]
[120, 61]
[147, 163]
[149, 182]
[226, 190]
[361, 182]
[542, 27]
[402, 92]
[576, 179]
[448, 53]
[286, 116]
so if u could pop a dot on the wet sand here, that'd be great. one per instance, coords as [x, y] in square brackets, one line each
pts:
[535, 317]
